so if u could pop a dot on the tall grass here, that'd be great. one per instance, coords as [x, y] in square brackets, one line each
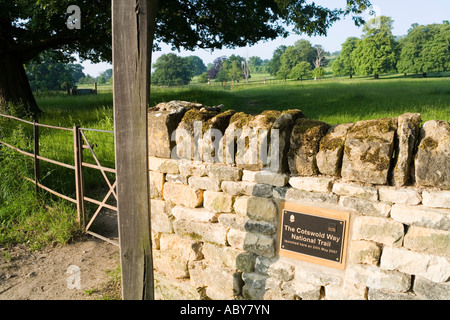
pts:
[27, 217]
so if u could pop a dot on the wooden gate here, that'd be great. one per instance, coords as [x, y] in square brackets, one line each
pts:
[81, 143]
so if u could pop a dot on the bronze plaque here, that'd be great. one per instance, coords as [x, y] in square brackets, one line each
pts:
[315, 235]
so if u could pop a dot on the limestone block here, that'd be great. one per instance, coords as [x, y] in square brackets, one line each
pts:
[184, 248]
[161, 125]
[365, 252]
[271, 178]
[318, 276]
[375, 294]
[249, 176]
[347, 291]
[220, 256]
[401, 196]
[408, 133]
[223, 172]
[422, 216]
[189, 133]
[194, 214]
[314, 184]
[436, 199]
[365, 207]
[301, 290]
[211, 232]
[204, 183]
[161, 219]
[213, 130]
[376, 278]
[284, 124]
[176, 178]
[433, 268]
[427, 240]
[184, 195]
[248, 225]
[221, 284]
[162, 165]
[275, 268]
[156, 184]
[218, 201]
[256, 208]
[169, 289]
[368, 151]
[293, 194]
[431, 290]
[433, 155]
[304, 146]
[257, 145]
[236, 238]
[248, 188]
[354, 190]
[260, 244]
[174, 255]
[255, 280]
[382, 230]
[192, 168]
[331, 150]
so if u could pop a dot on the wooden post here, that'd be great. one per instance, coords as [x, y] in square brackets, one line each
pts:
[133, 28]
[37, 176]
[79, 181]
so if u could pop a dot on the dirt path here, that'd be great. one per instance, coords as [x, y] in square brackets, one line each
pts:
[80, 270]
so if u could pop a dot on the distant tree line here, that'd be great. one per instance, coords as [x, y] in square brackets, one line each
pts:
[424, 49]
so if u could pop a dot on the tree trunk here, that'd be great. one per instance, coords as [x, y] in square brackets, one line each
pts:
[377, 76]
[15, 89]
[424, 75]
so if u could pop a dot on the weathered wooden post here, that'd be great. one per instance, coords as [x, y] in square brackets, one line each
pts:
[132, 44]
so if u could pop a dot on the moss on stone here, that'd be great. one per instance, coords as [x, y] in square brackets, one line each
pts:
[296, 113]
[270, 116]
[381, 163]
[196, 115]
[331, 144]
[429, 144]
[366, 130]
[240, 119]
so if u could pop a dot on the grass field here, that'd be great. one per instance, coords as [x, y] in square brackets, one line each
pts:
[331, 100]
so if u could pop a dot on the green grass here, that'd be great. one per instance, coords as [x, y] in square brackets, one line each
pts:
[333, 101]
[23, 218]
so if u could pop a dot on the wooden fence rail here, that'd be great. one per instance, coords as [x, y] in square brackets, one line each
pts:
[80, 143]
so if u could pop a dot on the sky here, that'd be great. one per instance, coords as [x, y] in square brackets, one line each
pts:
[403, 12]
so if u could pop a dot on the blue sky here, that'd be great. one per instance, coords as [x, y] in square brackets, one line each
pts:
[403, 12]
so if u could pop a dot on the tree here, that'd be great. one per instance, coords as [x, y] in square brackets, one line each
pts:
[344, 64]
[275, 63]
[301, 70]
[255, 64]
[44, 73]
[29, 27]
[436, 53]
[412, 57]
[377, 51]
[301, 51]
[318, 73]
[203, 78]
[196, 65]
[235, 71]
[213, 72]
[171, 70]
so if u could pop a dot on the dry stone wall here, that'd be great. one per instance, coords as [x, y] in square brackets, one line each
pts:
[215, 224]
